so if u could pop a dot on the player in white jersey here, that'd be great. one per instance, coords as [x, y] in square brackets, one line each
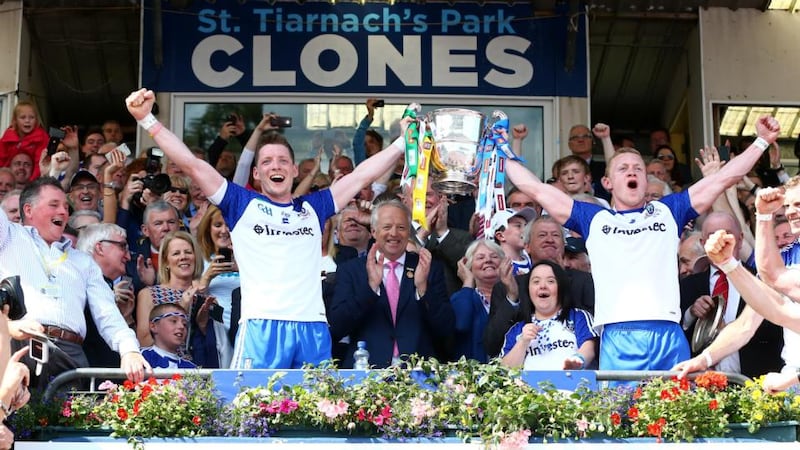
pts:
[277, 240]
[637, 300]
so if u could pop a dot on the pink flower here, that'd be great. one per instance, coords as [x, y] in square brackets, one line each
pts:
[582, 424]
[515, 440]
[470, 398]
[332, 410]
[107, 385]
[421, 409]
[287, 405]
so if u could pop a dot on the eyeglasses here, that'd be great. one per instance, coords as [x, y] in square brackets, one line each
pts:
[121, 244]
[666, 157]
[518, 205]
[179, 190]
[84, 187]
[580, 136]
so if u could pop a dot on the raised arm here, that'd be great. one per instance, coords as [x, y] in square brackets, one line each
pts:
[140, 105]
[603, 132]
[770, 265]
[348, 186]
[766, 301]
[554, 201]
[703, 193]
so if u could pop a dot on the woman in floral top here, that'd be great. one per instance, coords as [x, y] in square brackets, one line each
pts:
[551, 334]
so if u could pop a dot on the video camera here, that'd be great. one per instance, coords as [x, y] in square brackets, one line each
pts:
[11, 294]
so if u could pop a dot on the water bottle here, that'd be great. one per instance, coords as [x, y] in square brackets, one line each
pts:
[361, 356]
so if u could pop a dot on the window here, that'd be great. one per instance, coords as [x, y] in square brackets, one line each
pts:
[199, 119]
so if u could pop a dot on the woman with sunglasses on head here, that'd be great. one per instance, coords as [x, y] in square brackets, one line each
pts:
[680, 174]
[178, 196]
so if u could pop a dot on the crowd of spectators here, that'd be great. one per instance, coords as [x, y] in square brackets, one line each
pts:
[182, 257]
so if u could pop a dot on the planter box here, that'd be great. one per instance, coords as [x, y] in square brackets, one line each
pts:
[776, 432]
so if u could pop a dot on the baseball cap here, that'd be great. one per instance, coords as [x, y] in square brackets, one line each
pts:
[82, 175]
[574, 245]
[501, 218]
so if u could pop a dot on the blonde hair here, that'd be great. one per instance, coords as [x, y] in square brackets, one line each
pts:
[17, 109]
[163, 264]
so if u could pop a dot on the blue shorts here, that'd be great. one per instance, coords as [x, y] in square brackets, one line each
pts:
[280, 344]
[643, 345]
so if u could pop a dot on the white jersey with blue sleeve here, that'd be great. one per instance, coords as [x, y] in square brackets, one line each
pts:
[633, 256]
[278, 248]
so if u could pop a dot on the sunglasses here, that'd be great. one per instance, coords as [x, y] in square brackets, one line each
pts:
[665, 157]
[179, 190]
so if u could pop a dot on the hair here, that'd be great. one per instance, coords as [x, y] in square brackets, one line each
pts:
[204, 241]
[18, 107]
[10, 194]
[91, 131]
[96, 232]
[7, 170]
[473, 247]
[373, 220]
[87, 159]
[792, 182]
[158, 206]
[526, 309]
[621, 151]
[571, 159]
[375, 135]
[675, 173]
[273, 138]
[665, 189]
[163, 265]
[78, 214]
[30, 195]
[161, 308]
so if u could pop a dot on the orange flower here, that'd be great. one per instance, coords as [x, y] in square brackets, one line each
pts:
[129, 385]
[633, 413]
[122, 414]
[712, 405]
[637, 394]
[196, 420]
[712, 381]
[176, 377]
[615, 419]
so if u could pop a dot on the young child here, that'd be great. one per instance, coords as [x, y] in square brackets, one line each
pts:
[508, 231]
[25, 134]
[169, 328]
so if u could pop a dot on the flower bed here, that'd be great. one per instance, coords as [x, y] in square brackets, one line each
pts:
[464, 399]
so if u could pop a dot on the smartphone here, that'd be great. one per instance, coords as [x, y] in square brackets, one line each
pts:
[56, 135]
[215, 312]
[378, 103]
[125, 281]
[232, 119]
[121, 147]
[226, 253]
[38, 350]
[281, 122]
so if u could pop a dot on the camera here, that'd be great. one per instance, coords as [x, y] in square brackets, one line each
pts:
[214, 311]
[280, 121]
[56, 135]
[378, 103]
[157, 182]
[231, 119]
[11, 294]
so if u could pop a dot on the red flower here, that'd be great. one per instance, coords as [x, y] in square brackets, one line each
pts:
[675, 392]
[712, 405]
[165, 381]
[712, 381]
[122, 414]
[684, 384]
[665, 395]
[152, 381]
[633, 413]
[176, 377]
[136, 407]
[115, 398]
[655, 429]
[661, 421]
[361, 415]
[637, 394]
[615, 418]
[129, 385]
[146, 391]
[196, 420]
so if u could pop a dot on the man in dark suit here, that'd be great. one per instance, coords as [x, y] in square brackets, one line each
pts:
[762, 344]
[393, 299]
[546, 241]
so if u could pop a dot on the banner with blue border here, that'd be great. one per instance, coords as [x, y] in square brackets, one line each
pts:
[463, 49]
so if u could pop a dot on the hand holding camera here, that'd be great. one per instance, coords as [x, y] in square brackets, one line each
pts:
[205, 308]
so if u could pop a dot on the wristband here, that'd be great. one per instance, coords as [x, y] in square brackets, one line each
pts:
[761, 143]
[155, 129]
[763, 217]
[728, 266]
[583, 360]
[148, 121]
[709, 361]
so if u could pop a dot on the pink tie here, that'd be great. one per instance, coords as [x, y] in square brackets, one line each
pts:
[393, 294]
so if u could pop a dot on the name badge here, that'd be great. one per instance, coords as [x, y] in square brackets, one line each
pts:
[51, 290]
